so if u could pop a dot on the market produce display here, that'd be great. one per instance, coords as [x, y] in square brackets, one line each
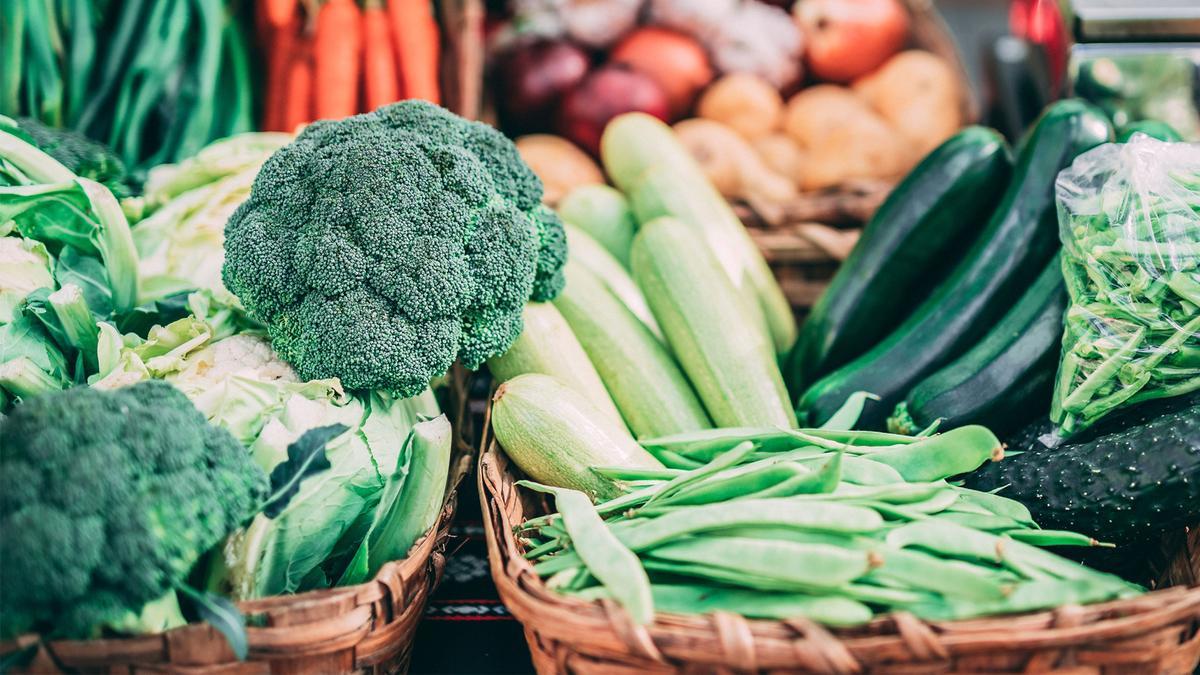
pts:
[155, 81]
[235, 302]
[1131, 257]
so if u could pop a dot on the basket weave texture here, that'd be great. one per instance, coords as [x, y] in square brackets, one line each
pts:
[1156, 633]
[367, 628]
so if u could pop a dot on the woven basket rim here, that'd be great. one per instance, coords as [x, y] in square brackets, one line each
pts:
[314, 623]
[1167, 620]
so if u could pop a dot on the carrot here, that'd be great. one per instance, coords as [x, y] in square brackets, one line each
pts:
[278, 13]
[279, 57]
[337, 55]
[415, 34]
[382, 85]
[298, 99]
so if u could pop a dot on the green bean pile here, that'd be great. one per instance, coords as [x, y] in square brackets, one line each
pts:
[1130, 221]
[837, 526]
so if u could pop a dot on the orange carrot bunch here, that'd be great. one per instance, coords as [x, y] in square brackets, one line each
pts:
[334, 58]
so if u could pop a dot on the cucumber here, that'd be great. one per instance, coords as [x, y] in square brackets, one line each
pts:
[925, 224]
[1017, 243]
[647, 385]
[583, 248]
[728, 359]
[1005, 380]
[645, 159]
[603, 212]
[1130, 479]
[556, 436]
[548, 346]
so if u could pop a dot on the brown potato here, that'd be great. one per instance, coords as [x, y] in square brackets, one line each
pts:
[731, 164]
[844, 138]
[743, 102]
[560, 164]
[782, 154]
[918, 94]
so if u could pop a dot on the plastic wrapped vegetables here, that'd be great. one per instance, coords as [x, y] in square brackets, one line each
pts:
[1129, 217]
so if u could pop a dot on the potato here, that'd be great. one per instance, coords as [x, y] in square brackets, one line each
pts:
[731, 164]
[743, 102]
[560, 164]
[781, 154]
[919, 95]
[844, 138]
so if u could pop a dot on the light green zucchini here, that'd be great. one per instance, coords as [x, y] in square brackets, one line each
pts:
[603, 212]
[548, 346]
[556, 436]
[642, 377]
[728, 359]
[583, 248]
[660, 177]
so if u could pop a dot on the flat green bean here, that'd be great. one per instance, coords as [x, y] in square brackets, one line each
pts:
[815, 565]
[644, 534]
[737, 484]
[1054, 538]
[602, 552]
[724, 461]
[696, 599]
[948, 454]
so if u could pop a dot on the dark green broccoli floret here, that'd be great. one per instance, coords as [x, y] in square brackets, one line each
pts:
[83, 156]
[107, 500]
[380, 248]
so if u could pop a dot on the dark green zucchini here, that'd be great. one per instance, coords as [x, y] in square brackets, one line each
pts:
[1132, 479]
[1017, 243]
[1005, 380]
[928, 220]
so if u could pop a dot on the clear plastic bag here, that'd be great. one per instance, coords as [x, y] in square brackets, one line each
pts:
[1129, 218]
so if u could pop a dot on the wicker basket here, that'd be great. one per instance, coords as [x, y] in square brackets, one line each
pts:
[366, 628]
[1155, 633]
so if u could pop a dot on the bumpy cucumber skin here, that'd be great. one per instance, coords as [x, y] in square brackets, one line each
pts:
[1005, 380]
[1018, 242]
[643, 378]
[925, 224]
[724, 353]
[1132, 480]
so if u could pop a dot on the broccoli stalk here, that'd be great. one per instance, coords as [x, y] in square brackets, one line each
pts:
[155, 616]
[23, 379]
[77, 323]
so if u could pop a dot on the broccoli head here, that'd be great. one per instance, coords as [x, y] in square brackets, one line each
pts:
[380, 248]
[83, 156]
[107, 500]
